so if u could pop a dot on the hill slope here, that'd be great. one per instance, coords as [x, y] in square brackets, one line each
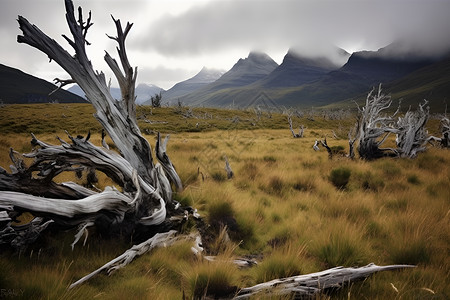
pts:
[19, 87]
[201, 79]
[431, 82]
[246, 71]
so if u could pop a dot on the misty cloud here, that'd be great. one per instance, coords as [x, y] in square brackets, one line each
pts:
[266, 25]
[172, 40]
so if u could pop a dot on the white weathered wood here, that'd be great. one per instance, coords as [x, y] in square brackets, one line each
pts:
[412, 136]
[310, 285]
[113, 115]
[159, 240]
[4, 217]
[110, 200]
[316, 146]
[374, 126]
[325, 145]
[300, 130]
[166, 163]
[228, 169]
[82, 230]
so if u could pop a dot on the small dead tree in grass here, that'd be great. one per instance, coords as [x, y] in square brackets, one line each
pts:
[325, 145]
[300, 130]
[144, 196]
[228, 169]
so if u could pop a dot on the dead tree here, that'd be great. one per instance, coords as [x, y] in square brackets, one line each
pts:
[300, 130]
[228, 169]
[351, 143]
[412, 136]
[325, 145]
[374, 126]
[145, 186]
[316, 146]
[445, 130]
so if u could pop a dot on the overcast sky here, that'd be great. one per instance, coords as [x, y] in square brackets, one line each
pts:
[171, 40]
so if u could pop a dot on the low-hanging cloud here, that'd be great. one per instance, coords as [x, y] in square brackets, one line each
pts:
[183, 36]
[222, 25]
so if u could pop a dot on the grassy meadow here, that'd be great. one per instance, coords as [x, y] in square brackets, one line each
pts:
[292, 209]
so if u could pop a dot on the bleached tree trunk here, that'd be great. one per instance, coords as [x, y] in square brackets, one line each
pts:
[300, 130]
[445, 130]
[145, 188]
[374, 126]
[412, 135]
[228, 169]
[311, 285]
[325, 145]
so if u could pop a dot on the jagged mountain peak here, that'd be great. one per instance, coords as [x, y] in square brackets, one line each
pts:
[207, 75]
[332, 58]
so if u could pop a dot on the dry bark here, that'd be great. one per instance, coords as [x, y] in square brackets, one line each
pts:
[374, 127]
[310, 285]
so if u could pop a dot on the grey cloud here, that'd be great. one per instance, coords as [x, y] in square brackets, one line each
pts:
[221, 25]
[164, 77]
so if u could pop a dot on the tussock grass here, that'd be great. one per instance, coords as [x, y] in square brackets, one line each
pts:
[280, 207]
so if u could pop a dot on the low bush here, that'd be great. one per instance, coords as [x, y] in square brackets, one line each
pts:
[410, 253]
[215, 280]
[340, 177]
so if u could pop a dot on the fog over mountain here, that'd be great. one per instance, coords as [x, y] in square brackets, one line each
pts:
[172, 40]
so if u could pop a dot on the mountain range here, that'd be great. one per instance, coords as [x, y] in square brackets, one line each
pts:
[299, 81]
[204, 77]
[143, 92]
[19, 87]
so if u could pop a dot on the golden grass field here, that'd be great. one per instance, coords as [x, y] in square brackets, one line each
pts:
[288, 213]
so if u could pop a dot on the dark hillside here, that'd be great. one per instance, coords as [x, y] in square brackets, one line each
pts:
[19, 87]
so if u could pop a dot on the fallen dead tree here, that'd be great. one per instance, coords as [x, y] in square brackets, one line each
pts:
[310, 285]
[143, 196]
[301, 286]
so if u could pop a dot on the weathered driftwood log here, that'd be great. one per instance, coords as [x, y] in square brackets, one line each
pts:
[310, 285]
[159, 240]
[303, 286]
